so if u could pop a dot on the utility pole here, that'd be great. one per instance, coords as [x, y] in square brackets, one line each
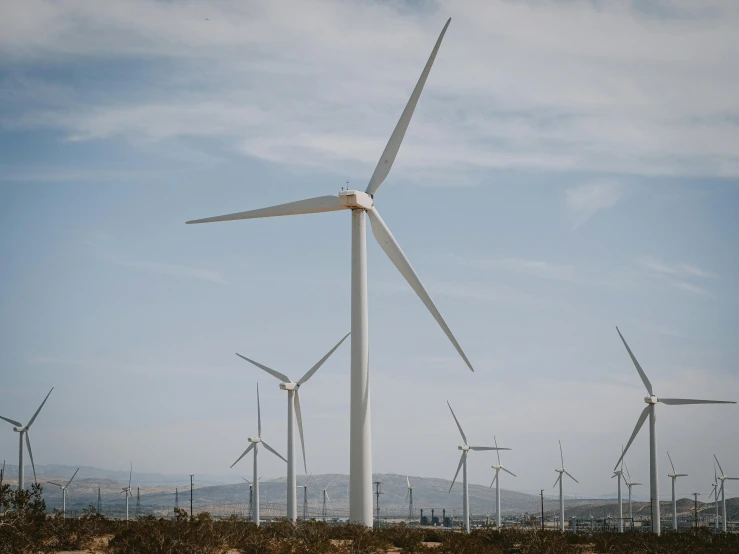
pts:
[378, 492]
[176, 498]
[191, 484]
[542, 508]
[99, 501]
[696, 509]
[138, 502]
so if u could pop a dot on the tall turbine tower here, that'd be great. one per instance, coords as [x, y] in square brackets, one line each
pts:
[409, 498]
[674, 475]
[64, 492]
[562, 471]
[463, 465]
[127, 490]
[723, 478]
[362, 205]
[620, 475]
[23, 433]
[630, 484]
[305, 497]
[714, 492]
[650, 411]
[496, 480]
[254, 445]
[326, 500]
[293, 404]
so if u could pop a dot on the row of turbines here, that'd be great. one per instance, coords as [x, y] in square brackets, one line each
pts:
[363, 207]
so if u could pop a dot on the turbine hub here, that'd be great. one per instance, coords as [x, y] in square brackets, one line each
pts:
[463, 448]
[255, 439]
[496, 468]
[289, 386]
[560, 470]
[651, 399]
[356, 199]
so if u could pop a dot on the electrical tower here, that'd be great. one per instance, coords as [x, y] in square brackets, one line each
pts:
[138, 502]
[378, 492]
[191, 485]
[99, 503]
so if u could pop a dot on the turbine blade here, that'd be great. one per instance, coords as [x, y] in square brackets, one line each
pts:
[247, 480]
[408, 481]
[487, 448]
[494, 479]
[130, 473]
[268, 447]
[461, 461]
[681, 475]
[496, 449]
[393, 145]
[643, 375]
[312, 370]
[12, 421]
[677, 401]
[561, 456]
[719, 465]
[281, 376]
[39, 409]
[309, 206]
[732, 478]
[670, 458]
[53, 483]
[504, 469]
[73, 476]
[392, 249]
[457, 422]
[571, 477]
[624, 463]
[30, 453]
[259, 414]
[639, 423]
[299, 417]
[251, 445]
[557, 481]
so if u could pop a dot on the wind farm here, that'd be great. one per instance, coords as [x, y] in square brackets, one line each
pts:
[545, 209]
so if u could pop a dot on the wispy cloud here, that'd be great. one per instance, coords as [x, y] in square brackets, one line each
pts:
[677, 273]
[584, 201]
[174, 270]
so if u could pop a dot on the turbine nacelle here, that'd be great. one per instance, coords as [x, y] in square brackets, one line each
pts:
[463, 448]
[497, 468]
[651, 399]
[560, 470]
[255, 440]
[289, 386]
[356, 200]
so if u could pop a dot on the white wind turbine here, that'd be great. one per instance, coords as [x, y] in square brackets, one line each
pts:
[562, 471]
[293, 405]
[64, 492]
[254, 445]
[630, 484]
[127, 490]
[674, 475]
[496, 480]
[305, 497]
[714, 492]
[620, 475]
[463, 465]
[723, 478]
[23, 433]
[326, 499]
[362, 204]
[650, 412]
[409, 498]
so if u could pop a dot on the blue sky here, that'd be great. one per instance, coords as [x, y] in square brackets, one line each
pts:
[571, 166]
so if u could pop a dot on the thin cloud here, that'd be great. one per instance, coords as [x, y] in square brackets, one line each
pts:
[690, 287]
[585, 201]
[678, 273]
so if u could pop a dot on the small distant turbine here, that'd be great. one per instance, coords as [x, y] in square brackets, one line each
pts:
[562, 471]
[293, 404]
[64, 492]
[630, 484]
[620, 474]
[496, 481]
[650, 411]
[714, 491]
[723, 478]
[409, 497]
[463, 464]
[127, 490]
[326, 500]
[254, 445]
[674, 475]
[23, 430]
[305, 497]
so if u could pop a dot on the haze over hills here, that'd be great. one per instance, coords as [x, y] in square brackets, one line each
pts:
[223, 495]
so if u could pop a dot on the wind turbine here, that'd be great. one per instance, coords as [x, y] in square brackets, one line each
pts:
[630, 484]
[409, 498]
[650, 411]
[723, 478]
[254, 445]
[674, 475]
[561, 470]
[127, 490]
[496, 480]
[23, 432]
[326, 499]
[463, 464]
[293, 404]
[620, 475]
[251, 494]
[714, 491]
[305, 497]
[362, 204]
[64, 492]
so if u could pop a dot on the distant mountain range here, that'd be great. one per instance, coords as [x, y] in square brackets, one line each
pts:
[157, 495]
